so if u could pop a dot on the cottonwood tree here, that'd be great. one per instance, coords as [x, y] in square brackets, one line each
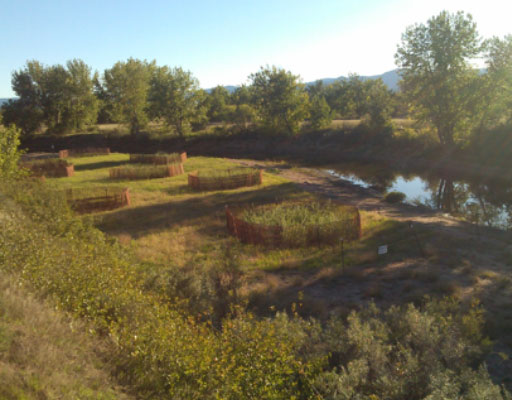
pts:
[127, 86]
[59, 97]
[437, 75]
[175, 96]
[217, 102]
[280, 99]
[320, 112]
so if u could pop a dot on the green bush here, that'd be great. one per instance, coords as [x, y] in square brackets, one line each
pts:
[394, 197]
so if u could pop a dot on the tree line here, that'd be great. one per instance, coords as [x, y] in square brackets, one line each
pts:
[441, 87]
[134, 92]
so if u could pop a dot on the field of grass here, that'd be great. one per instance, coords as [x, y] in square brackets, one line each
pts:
[170, 225]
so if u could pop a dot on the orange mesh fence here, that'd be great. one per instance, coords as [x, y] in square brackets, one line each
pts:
[97, 199]
[158, 159]
[84, 151]
[147, 172]
[51, 168]
[348, 228]
[229, 181]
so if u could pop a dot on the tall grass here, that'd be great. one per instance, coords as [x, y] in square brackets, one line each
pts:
[158, 159]
[146, 171]
[307, 223]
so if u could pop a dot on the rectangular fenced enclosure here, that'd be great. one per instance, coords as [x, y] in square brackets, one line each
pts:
[223, 180]
[346, 227]
[50, 168]
[146, 171]
[158, 159]
[97, 199]
[84, 152]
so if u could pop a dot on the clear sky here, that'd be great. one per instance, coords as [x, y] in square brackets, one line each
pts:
[223, 41]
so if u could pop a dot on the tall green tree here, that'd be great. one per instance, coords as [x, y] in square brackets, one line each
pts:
[437, 75]
[127, 87]
[59, 97]
[176, 97]
[320, 112]
[280, 99]
[217, 100]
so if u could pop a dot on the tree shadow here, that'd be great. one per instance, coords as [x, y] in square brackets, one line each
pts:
[99, 165]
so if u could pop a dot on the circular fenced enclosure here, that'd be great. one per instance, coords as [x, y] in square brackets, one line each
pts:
[158, 159]
[50, 168]
[146, 171]
[295, 224]
[97, 199]
[223, 180]
[84, 152]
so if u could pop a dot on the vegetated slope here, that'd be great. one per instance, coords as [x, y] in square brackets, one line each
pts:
[169, 352]
[45, 355]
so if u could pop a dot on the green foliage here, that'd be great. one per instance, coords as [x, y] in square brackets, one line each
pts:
[60, 97]
[175, 96]
[303, 224]
[127, 86]
[320, 112]
[394, 197]
[437, 77]
[9, 151]
[217, 101]
[280, 99]
[163, 351]
[407, 353]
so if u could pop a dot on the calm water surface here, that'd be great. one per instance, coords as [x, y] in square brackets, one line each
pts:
[482, 202]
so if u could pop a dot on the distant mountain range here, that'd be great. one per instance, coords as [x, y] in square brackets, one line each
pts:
[2, 101]
[389, 78]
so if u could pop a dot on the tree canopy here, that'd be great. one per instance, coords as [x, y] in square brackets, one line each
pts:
[127, 86]
[176, 97]
[437, 76]
[280, 98]
[59, 97]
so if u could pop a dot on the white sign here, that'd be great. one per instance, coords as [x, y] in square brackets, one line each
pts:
[383, 249]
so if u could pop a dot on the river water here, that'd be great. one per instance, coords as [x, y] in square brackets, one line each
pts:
[484, 202]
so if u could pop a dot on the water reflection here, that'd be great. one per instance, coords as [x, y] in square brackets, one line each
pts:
[484, 203]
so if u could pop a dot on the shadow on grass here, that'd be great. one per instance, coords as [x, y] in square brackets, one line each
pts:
[139, 221]
[99, 165]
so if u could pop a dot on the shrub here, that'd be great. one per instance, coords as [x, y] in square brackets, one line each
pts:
[408, 353]
[394, 197]
[9, 151]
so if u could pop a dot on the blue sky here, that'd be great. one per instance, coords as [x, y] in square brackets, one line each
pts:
[223, 41]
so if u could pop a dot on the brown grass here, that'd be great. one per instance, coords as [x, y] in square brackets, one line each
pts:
[44, 355]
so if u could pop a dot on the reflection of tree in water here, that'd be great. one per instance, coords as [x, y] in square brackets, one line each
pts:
[481, 203]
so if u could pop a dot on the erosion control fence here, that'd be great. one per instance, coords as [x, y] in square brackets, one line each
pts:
[222, 180]
[158, 159]
[50, 168]
[346, 225]
[147, 171]
[97, 199]
[84, 152]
